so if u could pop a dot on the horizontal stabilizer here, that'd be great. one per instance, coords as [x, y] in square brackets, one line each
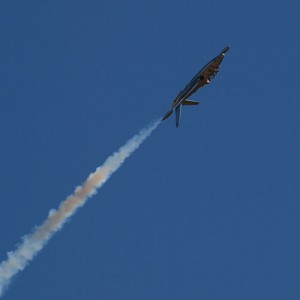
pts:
[189, 102]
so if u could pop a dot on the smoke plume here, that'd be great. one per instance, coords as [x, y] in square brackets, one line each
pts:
[31, 244]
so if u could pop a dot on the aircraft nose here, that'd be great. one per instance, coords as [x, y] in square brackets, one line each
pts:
[225, 49]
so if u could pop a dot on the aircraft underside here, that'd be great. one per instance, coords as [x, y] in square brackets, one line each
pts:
[203, 77]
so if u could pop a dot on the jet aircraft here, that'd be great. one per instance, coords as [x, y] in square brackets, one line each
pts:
[203, 77]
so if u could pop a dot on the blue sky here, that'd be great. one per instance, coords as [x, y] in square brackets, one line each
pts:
[206, 211]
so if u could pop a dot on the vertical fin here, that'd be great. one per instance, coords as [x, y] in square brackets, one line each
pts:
[178, 113]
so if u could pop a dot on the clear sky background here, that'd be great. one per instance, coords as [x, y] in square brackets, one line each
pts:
[206, 211]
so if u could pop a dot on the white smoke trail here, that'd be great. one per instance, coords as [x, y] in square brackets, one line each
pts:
[31, 244]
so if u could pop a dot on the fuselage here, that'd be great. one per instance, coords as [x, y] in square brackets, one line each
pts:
[203, 77]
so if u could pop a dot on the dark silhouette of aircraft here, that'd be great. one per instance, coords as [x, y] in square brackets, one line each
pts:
[203, 77]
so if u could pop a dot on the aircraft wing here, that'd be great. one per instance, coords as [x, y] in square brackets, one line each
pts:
[208, 72]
